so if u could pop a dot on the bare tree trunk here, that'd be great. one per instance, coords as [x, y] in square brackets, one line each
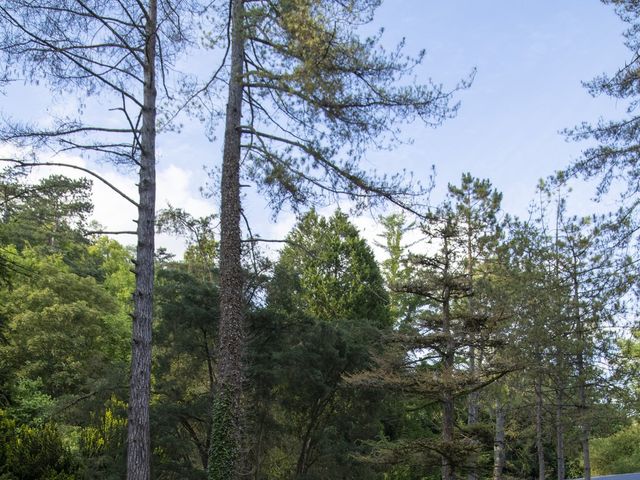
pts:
[560, 436]
[138, 431]
[448, 412]
[498, 444]
[472, 418]
[226, 444]
[539, 433]
[585, 428]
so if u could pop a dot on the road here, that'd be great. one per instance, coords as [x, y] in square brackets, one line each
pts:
[625, 476]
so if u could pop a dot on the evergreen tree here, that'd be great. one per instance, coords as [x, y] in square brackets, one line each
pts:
[306, 97]
[118, 51]
[326, 308]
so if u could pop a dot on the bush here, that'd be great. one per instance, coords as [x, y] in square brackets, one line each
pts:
[618, 453]
[33, 453]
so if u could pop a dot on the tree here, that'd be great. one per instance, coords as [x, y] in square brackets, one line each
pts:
[184, 370]
[423, 358]
[331, 273]
[598, 278]
[326, 308]
[614, 158]
[49, 215]
[93, 47]
[42, 308]
[477, 206]
[305, 98]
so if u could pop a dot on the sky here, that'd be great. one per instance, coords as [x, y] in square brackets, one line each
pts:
[530, 58]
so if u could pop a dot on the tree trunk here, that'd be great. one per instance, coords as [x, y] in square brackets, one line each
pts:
[472, 418]
[226, 446]
[559, 435]
[539, 432]
[498, 444]
[138, 431]
[448, 412]
[584, 421]
[585, 429]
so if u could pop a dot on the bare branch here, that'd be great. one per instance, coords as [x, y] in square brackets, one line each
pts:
[23, 164]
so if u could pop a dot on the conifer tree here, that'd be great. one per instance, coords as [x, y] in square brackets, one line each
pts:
[115, 50]
[306, 96]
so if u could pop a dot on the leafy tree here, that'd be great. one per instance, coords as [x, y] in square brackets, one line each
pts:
[330, 271]
[49, 215]
[202, 247]
[401, 306]
[618, 453]
[122, 51]
[184, 371]
[101, 443]
[63, 330]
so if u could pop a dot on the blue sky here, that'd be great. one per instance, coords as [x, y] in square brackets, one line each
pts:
[531, 57]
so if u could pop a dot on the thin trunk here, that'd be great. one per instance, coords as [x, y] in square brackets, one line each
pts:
[560, 435]
[585, 427]
[448, 413]
[138, 431]
[472, 418]
[586, 431]
[560, 467]
[539, 432]
[498, 444]
[318, 409]
[226, 461]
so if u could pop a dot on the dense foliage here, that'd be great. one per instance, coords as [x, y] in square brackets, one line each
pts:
[357, 370]
[488, 347]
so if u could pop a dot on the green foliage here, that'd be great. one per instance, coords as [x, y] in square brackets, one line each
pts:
[202, 246]
[222, 453]
[328, 271]
[101, 444]
[401, 306]
[29, 403]
[48, 216]
[323, 95]
[326, 310]
[183, 370]
[62, 328]
[34, 453]
[618, 453]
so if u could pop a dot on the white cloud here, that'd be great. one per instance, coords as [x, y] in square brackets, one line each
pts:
[176, 186]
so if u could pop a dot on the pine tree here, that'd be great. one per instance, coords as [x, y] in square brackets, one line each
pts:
[90, 48]
[306, 96]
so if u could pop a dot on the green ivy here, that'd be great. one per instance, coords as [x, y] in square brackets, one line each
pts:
[223, 452]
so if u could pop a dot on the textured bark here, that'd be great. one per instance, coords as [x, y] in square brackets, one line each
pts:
[498, 444]
[539, 433]
[231, 334]
[138, 433]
